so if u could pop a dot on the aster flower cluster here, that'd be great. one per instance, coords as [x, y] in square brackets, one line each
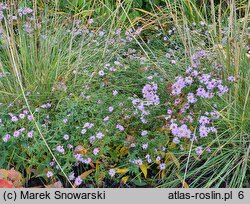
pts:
[22, 14]
[18, 121]
[150, 97]
[185, 118]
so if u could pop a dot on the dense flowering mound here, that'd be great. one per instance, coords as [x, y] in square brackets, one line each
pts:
[189, 118]
[103, 121]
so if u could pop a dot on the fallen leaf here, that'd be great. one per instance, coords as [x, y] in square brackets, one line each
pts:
[122, 171]
[86, 173]
[6, 184]
[144, 170]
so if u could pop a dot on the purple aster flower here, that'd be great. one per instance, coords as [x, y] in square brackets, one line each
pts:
[92, 139]
[174, 128]
[149, 93]
[83, 131]
[145, 146]
[162, 166]
[25, 112]
[144, 133]
[208, 149]
[203, 131]
[169, 111]
[30, 134]
[231, 78]
[30, 117]
[120, 127]
[22, 116]
[189, 80]
[222, 89]
[72, 176]
[86, 161]
[101, 73]
[60, 149]
[16, 133]
[111, 109]
[168, 55]
[106, 118]
[99, 135]
[211, 84]
[176, 140]
[78, 181]
[14, 119]
[6, 138]
[204, 120]
[191, 98]
[201, 92]
[112, 172]
[115, 93]
[66, 137]
[198, 150]
[194, 73]
[213, 129]
[49, 174]
[158, 158]
[96, 151]
[69, 146]
[177, 101]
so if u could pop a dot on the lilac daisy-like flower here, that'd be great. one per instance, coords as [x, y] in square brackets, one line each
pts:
[112, 172]
[99, 135]
[72, 176]
[162, 166]
[86, 161]
[96, 151]
[145, 146]
[158, 158]
[169, 111]
[231, 78]
[60, 149]
[176, 140]
[101, 73]
[66, 137]
[203, 131]
[111, 109]
[14, 119]
[222, 89]
[49, 174]
[65, 120]
[201, 92]
[30, 117]
[191, 98]
[30, 134]
[189, 80]
[83, 131]
[208, 149]
[69, 146]
[106, 118]
[198, 150]
[16, 133]
[115, 93]
[120, 127]
[204, 120]
[6, 138]
[22, 116]
[174, 128]
[144, 133]
[78, 181]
